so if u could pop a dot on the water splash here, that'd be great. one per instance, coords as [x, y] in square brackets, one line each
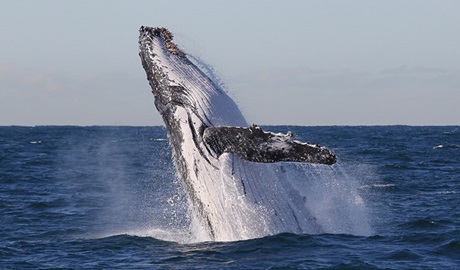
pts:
[326, 199]
[334, 198]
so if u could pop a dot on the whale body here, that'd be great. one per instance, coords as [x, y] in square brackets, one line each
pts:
[232, 173]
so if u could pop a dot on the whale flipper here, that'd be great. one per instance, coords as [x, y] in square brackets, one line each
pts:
[254, 144]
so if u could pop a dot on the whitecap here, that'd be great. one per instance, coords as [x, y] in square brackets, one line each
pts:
[159, 139]
[445, 192]
[383, 185]
[449, 146]
[379, 186]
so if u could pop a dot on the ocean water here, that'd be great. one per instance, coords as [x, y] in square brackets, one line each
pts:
[107, 198]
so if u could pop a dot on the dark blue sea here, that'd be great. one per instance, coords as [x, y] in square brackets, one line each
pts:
[107, 198]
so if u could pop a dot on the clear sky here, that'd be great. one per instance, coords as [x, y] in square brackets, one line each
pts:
[284, 62]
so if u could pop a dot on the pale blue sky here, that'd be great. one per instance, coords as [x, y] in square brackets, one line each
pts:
[284, 62]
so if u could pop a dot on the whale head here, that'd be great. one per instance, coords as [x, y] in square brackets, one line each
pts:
[178, 82]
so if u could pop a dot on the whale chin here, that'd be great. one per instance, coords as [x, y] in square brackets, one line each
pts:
[225, 167]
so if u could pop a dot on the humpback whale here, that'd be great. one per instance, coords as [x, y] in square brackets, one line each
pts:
[232, 173]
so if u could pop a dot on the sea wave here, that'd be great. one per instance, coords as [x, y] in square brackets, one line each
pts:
[447, 146]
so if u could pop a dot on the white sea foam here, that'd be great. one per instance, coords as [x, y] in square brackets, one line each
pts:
[379, 186]
[441, 146]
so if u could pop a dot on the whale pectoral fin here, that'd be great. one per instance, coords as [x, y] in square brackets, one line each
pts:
[254, 144]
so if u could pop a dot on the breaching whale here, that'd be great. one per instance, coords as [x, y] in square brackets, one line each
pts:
[231, 172]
